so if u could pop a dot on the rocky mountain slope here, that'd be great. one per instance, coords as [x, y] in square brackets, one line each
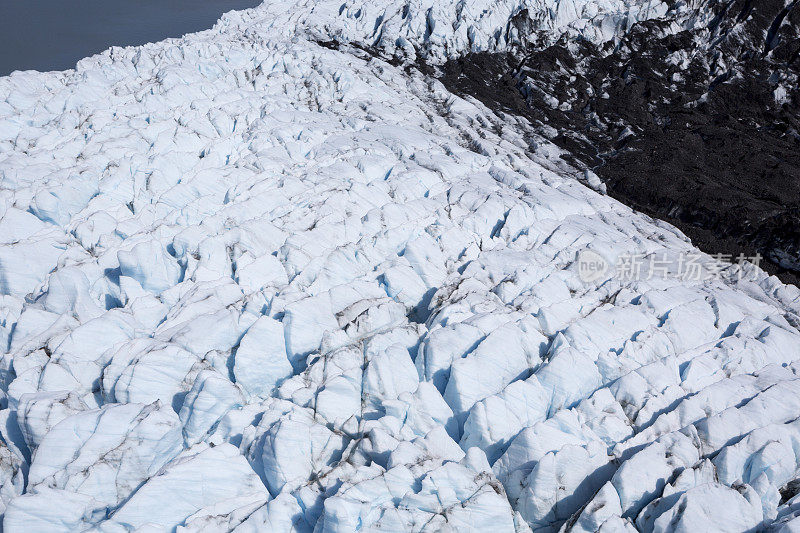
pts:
[277, 276]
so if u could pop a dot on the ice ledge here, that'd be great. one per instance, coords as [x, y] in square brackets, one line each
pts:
[437, 31]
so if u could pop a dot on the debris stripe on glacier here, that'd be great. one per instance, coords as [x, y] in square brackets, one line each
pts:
[160, 269]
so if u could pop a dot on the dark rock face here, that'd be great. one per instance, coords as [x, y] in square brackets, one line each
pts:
[700, 127]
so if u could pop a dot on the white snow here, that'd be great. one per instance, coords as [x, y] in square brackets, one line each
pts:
[250, 282]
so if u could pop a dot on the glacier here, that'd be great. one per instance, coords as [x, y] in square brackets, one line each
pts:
[251, 281]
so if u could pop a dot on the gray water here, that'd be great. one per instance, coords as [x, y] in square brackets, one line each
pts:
[55, 34]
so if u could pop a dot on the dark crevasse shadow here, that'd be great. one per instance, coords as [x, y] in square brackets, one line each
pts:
[710, 144]
[54, 34]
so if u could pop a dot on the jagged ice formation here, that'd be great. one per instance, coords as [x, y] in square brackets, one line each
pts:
[253, 283]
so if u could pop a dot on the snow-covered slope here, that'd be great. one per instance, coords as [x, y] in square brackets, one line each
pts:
[250, 282]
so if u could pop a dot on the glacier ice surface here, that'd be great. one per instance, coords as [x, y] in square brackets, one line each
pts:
[249, 282]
